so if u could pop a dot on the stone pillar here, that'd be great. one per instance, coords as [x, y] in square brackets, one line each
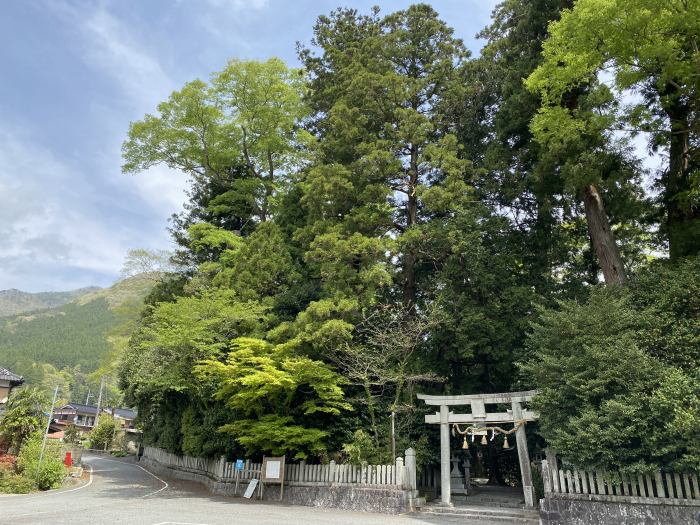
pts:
[332, 469]
[411, 468]
[222, 467]
[523, 457]
[445, 455]
[400, 481]
[546, 477]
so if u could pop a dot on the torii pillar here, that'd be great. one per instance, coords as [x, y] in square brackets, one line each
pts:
[479, 418]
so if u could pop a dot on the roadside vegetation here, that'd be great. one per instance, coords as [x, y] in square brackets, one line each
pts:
[398, 217]
[23, 468]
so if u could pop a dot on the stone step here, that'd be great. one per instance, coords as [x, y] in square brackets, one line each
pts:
[529, 517]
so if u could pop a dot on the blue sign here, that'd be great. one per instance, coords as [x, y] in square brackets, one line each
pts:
[239, 464]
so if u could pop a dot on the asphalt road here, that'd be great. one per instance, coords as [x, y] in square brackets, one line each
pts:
[123, 492]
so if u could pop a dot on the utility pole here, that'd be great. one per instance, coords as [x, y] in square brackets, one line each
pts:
[99, 401]
[87, 398]
[46, 434]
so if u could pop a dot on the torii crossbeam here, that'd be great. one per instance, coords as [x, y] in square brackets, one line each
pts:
[480, 416]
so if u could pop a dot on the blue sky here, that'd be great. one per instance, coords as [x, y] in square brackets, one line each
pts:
[75, 73]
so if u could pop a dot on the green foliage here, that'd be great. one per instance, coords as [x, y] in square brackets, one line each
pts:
[12, 483]
[392, 220]
[655, 54]
[24, 415]
[47, 474]
[63, 346]
[71, 435]
[70, 335]
[606, 400]
[102, 436]
[271, 388]
[362, 450]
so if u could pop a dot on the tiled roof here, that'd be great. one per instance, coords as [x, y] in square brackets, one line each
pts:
[83, 409]
[124, 413]
[9, 376]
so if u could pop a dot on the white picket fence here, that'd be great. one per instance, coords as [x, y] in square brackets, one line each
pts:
[400, 475]
[679, 488]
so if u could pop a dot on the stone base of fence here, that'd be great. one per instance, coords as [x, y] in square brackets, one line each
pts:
[346, 497]
[213, 485]
[388, 499]
[565, 510]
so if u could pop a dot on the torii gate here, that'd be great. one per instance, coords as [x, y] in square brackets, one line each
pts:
[480, 417]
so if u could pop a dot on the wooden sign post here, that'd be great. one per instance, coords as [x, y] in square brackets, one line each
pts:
[273, 472]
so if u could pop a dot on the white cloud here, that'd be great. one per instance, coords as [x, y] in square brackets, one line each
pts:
[54, 222]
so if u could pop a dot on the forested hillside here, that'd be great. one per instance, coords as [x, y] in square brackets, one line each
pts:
[13, 302]
[399, 217]
[64, 345]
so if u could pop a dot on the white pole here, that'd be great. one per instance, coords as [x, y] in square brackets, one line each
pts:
[48, 424]
[99, 402]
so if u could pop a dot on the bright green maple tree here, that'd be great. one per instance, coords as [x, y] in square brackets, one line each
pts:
[277, 395]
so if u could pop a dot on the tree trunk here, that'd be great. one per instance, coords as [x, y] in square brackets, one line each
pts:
[602, 236]
[409, 258]
[682, 221]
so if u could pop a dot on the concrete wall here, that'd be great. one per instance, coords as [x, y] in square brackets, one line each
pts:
[348, 497]
[565, 511]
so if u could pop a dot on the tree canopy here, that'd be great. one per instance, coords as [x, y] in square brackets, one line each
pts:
[400, 216]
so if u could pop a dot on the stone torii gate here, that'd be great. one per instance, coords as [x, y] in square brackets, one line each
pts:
[479, 417]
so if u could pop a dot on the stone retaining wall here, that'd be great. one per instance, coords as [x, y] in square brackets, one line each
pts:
[347, 497]
[567, 511]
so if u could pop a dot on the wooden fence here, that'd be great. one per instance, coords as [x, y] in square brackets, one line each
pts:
[676, 488]
[400, 475]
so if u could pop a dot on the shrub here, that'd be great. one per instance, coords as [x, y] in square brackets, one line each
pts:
[363, 450]
[607, 399]
[102, 435]
[11, 483]
[71, 435]
[51, 471]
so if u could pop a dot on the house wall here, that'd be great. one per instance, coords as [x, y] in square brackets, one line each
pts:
[4, 391]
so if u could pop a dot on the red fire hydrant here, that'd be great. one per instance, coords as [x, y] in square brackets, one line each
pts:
[68, 462]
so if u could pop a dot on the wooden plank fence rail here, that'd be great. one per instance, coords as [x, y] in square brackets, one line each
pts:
[671, 487]
[397, 475]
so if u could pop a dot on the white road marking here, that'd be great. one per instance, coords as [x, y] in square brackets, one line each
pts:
[165, 483]
[178, 523]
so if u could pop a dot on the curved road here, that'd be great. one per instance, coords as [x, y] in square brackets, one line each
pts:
[124, 492]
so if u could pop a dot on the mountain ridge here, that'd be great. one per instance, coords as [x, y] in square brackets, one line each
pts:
[81, 332]
[14, 301]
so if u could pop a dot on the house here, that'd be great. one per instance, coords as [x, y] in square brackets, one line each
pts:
[8, 381]
[123, 416]
[82, 416]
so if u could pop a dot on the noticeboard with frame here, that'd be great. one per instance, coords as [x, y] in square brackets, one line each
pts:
[273, 469]
[273, 472]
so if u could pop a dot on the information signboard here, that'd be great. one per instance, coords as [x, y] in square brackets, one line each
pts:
[251, 488]
[239, 464]
[273, 470]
